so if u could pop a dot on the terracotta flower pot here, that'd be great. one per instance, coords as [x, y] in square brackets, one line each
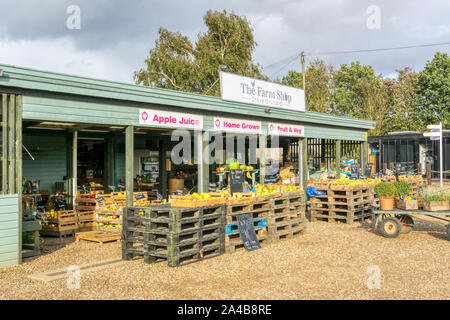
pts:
[387, 204]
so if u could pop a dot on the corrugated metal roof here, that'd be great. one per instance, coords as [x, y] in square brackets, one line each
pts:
[36, 80]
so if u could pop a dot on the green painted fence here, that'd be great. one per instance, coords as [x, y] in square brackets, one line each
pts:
[9, 230]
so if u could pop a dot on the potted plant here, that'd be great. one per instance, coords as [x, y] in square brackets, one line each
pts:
[436, 200]
[404, 201]
[386, 192]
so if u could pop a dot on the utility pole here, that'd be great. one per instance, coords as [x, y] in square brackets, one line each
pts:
[303, 70]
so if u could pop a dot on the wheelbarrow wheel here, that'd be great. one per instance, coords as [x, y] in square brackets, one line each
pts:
[407, 224]
[448, 231]
[390, 227]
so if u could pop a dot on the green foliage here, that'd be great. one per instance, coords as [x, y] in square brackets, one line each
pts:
[318, 85]
[402, 188]
[430, 195]
[433, 89]
[406, 103]
[385, 190]
[175, 63]
[402, 100]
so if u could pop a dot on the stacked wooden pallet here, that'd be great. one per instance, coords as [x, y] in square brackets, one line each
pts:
[177, 235]
[60, 223]
[287, 216]
[258, 207]
[348, 205]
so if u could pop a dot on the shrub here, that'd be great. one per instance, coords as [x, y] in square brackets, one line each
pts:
[385, 190]
[435, 195]
[402, 188]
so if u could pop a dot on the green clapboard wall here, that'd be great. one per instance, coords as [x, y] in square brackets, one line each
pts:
[9, 230]
[50, 164]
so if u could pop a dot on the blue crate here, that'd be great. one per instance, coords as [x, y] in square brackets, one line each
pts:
[257, 223]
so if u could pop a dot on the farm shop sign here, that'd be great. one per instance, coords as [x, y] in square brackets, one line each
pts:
[248, 90]
[237, 125]
[283, 129]
[170, 119]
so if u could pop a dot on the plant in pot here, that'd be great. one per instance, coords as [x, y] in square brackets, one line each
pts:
[436, 200]
[386, 191]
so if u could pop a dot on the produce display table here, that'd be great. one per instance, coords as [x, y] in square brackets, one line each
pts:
[393, 223]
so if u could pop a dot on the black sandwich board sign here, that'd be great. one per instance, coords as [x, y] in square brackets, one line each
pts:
[247, 230]
[236, 181]
[354, 173]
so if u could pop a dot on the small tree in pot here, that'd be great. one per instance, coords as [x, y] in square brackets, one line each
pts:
[386, 191]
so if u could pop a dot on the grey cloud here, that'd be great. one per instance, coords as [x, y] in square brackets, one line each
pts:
[128, 29]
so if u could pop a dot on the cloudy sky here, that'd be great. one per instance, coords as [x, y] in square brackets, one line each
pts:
[115, 36]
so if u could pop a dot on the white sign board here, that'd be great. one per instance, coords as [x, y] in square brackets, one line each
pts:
[237, 125]
[248, 90]
[166, 119]
[283, 129]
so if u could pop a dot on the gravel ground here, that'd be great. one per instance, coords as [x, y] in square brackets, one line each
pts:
[330, 261]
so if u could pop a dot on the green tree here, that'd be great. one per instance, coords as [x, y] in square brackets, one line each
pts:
[358, 93]
[318, 85]
[403, 101]
[176, 63]
[433, 88]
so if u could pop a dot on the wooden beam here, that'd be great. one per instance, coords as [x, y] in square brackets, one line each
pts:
[11, 144]
[262, 157]
[364, 150]
[203, 167]
[162, 146]
[129, 164]
[338, 157]
[4, 143]
[305, 162]
[18, 165]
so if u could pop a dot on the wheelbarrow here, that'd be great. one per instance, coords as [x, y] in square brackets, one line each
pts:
[393, 223]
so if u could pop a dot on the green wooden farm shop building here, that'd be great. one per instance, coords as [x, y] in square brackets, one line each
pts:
[64, 130]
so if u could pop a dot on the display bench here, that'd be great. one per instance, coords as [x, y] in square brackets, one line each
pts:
[31, 250]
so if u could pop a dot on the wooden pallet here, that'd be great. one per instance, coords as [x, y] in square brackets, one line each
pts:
[59, 234]
[287, 233]
[98, 236]
[233, 242]
[344, 217]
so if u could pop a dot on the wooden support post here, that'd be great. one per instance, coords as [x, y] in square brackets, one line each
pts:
[74, 179]
[4, 143]
[429, 174]
[109, 163]
[419, 168]
[262, 157]
[18, 167]
[129, 164]
[379, 155]
[364, 151]
[300, 162]
[202, 162]
[11, 144]
[305, 162]
[162, 167]
[338, 158]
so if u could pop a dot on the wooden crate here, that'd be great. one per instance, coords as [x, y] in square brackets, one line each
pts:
[437, 206]
[63, 216]
[407, 205]
[192, 202]
[58, 227]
